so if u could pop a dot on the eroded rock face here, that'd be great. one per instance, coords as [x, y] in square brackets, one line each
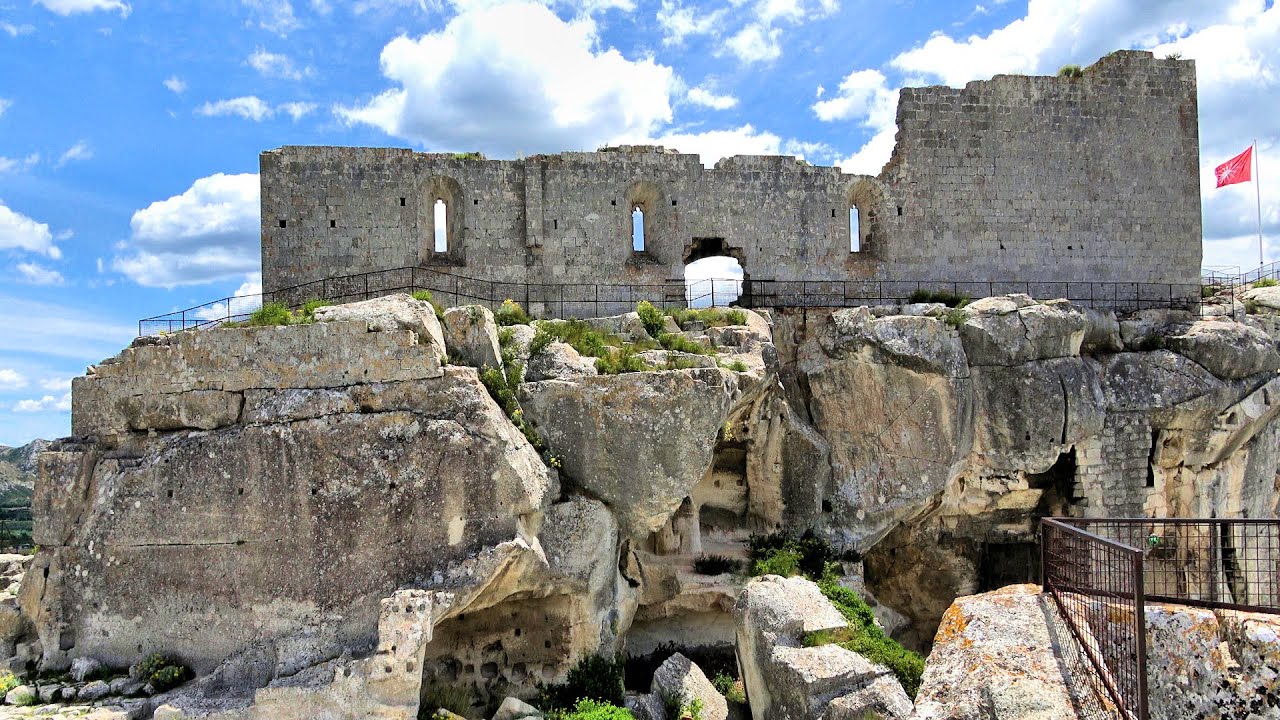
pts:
[1009, 331]
[785, 680]
[472, 336]
[559, 361]
[391, 312]
[994, 659]
[638, 441]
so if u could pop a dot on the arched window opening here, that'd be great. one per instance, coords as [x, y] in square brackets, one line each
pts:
[855, 230]
[637, 229]
[714, 281]
[441, 226]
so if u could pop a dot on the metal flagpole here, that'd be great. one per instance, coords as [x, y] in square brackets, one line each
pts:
[1257, 187]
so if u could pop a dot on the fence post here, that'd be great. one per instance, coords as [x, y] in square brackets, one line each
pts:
[1140, 631]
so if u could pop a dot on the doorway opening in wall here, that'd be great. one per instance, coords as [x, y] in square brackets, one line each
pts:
[713, 274]
[855, 229]
[441, 224]
[637, 229]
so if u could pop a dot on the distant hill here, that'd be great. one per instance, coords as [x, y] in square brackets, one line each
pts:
[17, 485]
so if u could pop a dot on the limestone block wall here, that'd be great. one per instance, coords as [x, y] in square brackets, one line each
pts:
[1017, 178]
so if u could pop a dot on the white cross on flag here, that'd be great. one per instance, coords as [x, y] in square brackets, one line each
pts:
[1236, 170]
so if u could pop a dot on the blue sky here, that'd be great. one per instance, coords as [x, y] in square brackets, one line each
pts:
[130, 130]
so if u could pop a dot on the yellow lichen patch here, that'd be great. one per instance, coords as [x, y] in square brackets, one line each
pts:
[953, 625]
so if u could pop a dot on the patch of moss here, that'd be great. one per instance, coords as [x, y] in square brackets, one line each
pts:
[866, 638]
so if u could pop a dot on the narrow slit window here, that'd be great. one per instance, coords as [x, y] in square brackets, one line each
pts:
[637, 229]
[855, 230]
[442, 226]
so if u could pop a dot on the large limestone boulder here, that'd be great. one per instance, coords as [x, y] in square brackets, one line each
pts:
[1228, 349]
[895, 406]
[1007, 331]
[1025, 416]
[431, 468]
[785, 680]
[391, 312]
[996, 657]
[559, 361]
[1267, 298]
[679, 677]
[472, 336]
[639, 442]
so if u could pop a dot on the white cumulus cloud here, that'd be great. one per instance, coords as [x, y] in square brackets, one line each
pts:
[511, 77]
[19, 232]
[209, 232]
[11, 379]
[176, 85]
[76, 153]
[36, 274]
[8, 165]
[276, 65]
[14, 31]
[5, 105]
[273, 15]
[707, 98]
[48, 403]
[679, 22]
[757, 42]
[246, 299]
[712, 145]
[72, 7]
[297, 110]
[249, 107]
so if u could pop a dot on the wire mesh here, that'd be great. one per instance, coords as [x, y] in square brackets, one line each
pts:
[1097, 585]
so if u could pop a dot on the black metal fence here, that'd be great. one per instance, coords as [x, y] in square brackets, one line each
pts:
[568, 300]
[1096, 584]
[1101, 572]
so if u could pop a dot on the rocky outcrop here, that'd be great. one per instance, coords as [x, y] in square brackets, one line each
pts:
[998, 656]
[558, 361]
[785, 680]
[472, 336]
[639, 441]
[392, 312]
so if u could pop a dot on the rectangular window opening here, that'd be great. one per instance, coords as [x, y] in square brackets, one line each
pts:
[441, 226]
[855, 230]
[637, 229]
[333, 223]
[284, 223]
[401, 202]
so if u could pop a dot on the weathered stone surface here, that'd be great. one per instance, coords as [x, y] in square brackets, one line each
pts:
[679, 677]
[559, 361]
[1151, 380]
[637, 441]
[995, 657]
[95, 690]
[1025, 416]
[389, 313]
[196, 410]
[21, 695]
[1229, 350]
[521, 336]
[266, 406]
[278, 496]
[786, 681]
[1142, 330]
[896, 415]
[1102, 332]
[1265, 297]
[83, 667]
[516, 709]
[626, 326]
[1004, 333]
[1221, 663]
[471, 336]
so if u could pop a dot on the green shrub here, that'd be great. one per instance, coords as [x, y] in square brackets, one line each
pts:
[502, 388]
[162, 671]
[680, 343]
[736, 366]
[1070, 71]
[588, 341]
[307, 314]
[422, 295]
[682, 363]
[811, 552]
[624, 360]
[593, 678]
[510, 313]
[456, 699]
[270, 314]
[946, 297]
[1250, 306]
[1208, 291]
[714, 565]
[955, 317]
[866, 638]
[727, 685]
[473, 155]
[8, 681]
[652, 318]
[1266, 282]
[709, 317]
[592, 710]
[777, 562]
[541, 339]
[674, 707]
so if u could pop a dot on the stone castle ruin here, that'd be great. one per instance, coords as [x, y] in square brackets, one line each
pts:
[342, 513]
[1092, 179]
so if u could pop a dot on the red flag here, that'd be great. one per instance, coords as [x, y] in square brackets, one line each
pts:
[1236, 170]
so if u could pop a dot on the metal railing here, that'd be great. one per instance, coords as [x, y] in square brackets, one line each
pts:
[1096, 584]
[1101, 572]
[567, 300]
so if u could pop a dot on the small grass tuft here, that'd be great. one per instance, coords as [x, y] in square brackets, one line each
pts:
[714, 565]
[955, 317]
[457, 699]
[270, 314]
[946, 297]
[710, 317]
[652, 318]
[680, 343]
[1070, 71]
[1266, 282]
[510, 313]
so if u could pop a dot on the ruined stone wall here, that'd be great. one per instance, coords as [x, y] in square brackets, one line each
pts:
[1050, 178]
[1017, 178]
